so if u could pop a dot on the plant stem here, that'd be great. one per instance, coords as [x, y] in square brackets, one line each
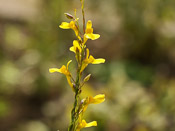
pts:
[75, 110]
[74, 113]
[82, 9]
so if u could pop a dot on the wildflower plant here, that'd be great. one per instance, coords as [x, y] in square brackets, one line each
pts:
[83, 59]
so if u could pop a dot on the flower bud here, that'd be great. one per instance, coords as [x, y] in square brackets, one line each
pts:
[69, 16]
[87, 78]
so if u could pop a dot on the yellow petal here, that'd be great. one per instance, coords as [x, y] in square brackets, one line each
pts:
[98, 61]
[84, 39]
[95, 61]
[62, 70]
[90, 124]
[92, 36]
[68, 63]
[91, 59]
[73, 27]
[89, 24]
[75, 43]
[72, 24]
[76, 32]
[52, 70]
[86, 61]
[84, 65]
[72, 49]
[87, 53]
[84, 124]
[98, 99]
[85, 107]
[76, 46]
[69, 82]
[89, 30]
[65, 25]
[93, 100]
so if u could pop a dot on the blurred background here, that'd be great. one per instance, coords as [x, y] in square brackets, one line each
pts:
[137, 40]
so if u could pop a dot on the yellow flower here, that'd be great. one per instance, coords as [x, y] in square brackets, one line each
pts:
[89, 100]
[93, 100]
[83, 124]
[76, 47]
[96, 99]
[89, 32]
[71, 25]
[90, 60]
[64, 70]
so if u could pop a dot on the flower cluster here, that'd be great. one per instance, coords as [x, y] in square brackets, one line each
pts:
[83, 59]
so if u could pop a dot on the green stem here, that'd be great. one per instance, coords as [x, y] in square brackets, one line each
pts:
[75, 110]
[82, 9]
[74, 113]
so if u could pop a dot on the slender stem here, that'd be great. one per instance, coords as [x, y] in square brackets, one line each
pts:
[74, 113]
[72, 79]
[74, 117]
[82, 8]
[75, 110]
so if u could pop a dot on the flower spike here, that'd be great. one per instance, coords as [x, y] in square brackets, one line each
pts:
[83, 59]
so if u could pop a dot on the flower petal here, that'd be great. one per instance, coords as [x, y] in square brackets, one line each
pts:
[72, 49]
[76, 46]
[69, 82]
[87, 53]
[74, 27]
[84, 65]
[89, 24]
[65, 25]
[68, 63]
[92, 36]
[90, 124]
[98, 99]
[84, 124]
[52, 70]
[91, 59]
[98, 61]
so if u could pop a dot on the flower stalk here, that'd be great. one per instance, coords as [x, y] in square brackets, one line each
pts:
[83, 59]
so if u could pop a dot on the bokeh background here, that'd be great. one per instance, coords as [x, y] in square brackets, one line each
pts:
[137, 40]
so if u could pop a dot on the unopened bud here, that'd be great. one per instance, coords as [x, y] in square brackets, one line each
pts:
[74, 86]
[82, 101]
[69, 16]
[87, 78]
